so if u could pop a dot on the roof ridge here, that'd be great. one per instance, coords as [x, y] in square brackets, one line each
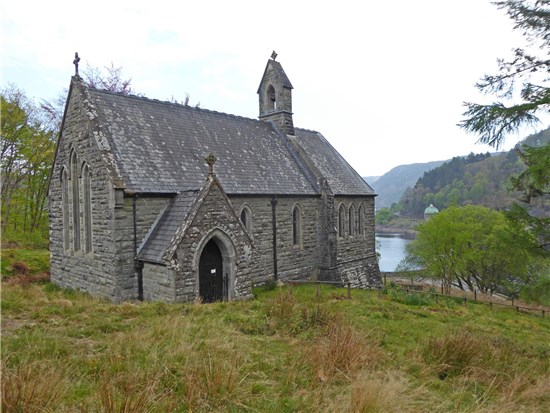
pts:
[175, 104]
[307, 130]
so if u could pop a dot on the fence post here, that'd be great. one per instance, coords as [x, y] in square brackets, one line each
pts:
[380, 292]
[465, 302]
[491, 305]
[349, 291]
[542, 313]
[475, 294]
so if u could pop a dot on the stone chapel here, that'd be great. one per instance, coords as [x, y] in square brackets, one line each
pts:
[154, 200]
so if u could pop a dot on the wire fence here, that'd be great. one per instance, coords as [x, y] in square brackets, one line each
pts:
[418, 289]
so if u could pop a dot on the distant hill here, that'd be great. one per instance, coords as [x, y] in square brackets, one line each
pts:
[371, 179]
[482, 179]
[391, 186]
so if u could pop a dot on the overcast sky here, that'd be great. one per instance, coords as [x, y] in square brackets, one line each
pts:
[383, 81]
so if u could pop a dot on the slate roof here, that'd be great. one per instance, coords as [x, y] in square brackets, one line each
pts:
[160, 147]
[160, 238]
[341, 177]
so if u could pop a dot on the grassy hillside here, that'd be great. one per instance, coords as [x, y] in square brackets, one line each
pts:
[285, 351]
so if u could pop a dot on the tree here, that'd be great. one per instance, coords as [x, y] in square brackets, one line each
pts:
[27, 148]
[383, 216]
[524, 77]
[110, 79]
[522, 89]
[469, 247]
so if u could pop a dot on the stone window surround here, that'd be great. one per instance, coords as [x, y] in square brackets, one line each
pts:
[75, 199]
[87, 206]
[361, 220]
[342, 221]
[351, 221]
[247, 222]
[65, 208]
[76, 207]
[297, 226]
[346, 228]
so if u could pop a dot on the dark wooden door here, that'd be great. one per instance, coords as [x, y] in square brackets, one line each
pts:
[210, 273]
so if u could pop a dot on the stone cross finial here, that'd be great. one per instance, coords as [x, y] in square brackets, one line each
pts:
[210, 160]
[274, 55]
[75, 63]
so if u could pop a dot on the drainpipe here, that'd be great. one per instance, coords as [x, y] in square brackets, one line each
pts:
[137, 265]
[274, 224]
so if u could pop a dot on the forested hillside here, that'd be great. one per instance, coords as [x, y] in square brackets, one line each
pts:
[481, 179]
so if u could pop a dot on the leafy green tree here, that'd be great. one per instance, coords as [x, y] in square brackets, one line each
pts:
[383, 216]
[27, 149]
[471, 246]
[453, 198]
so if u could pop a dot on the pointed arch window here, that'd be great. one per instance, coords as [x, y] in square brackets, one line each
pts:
[65, 209]
[271, 101]
[296, 226]
[87, 206]
[75, 197]
[246, 218]
[351, 221]
[361, 220]
[342, 221]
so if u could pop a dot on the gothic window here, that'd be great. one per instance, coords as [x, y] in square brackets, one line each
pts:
[75, 196]
[246, 218]
[351, 221]
[361, 222]
[342, 221]
[87, 205]
[296, 226]
[65, 209]
[271, 102]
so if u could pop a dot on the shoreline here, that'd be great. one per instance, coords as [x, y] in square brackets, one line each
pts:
[388, 230]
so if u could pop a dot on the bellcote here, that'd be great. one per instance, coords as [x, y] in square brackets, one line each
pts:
[275, 95]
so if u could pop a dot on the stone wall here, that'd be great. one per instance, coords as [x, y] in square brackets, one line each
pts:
[147, 210]
[96, 271]
[158, 283]
[293, 261]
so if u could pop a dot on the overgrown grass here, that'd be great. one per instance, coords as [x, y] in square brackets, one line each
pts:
[285, 351]
[24, 239]
[21, 261]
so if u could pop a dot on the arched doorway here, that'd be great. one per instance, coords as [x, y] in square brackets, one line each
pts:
[211, 278]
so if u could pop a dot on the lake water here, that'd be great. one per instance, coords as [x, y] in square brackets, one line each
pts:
[392, 250]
